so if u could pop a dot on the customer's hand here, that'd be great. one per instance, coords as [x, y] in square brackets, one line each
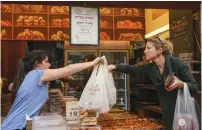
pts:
[96, 61]
[111, 67]
[176, 84]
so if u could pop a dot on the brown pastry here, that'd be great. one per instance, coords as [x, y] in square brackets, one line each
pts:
[3, 34]
[83, 112]
[105, 11]
[36, 17]
[40, 18]
[66, 37]
[123, 11]
[60, 34]
[129, 12]
[137, 36]
[120, 24]
[136, 12]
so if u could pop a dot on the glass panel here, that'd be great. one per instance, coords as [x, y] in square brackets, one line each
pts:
[119, 78]
[78, 80]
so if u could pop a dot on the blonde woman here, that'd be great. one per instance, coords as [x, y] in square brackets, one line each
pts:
[159, 51]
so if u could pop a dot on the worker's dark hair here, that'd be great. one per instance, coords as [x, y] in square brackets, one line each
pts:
[90, 57]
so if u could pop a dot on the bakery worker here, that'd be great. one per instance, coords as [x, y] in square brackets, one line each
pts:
[88, 72]
[158, 50]
[30, 89]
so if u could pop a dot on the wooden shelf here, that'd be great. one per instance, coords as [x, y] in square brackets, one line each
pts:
[5, 39]
[153, 109]
[146, 103]
[6, 12]
[36, 40]
[133, 40]
[30, 26]
[59, 27]
[129, 16]
[106, 15]
[36, 13]
[59, 13]
[132, 28]
[7, 26]
[107, 28]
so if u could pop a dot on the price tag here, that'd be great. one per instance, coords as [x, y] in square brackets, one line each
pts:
[72, 110]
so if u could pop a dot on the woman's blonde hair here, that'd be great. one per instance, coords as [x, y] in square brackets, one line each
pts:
[165, 45]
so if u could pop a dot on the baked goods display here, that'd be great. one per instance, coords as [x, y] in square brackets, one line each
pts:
[129, 24]
[105, 11]
[87, 113]
[60, 22]
[3, 34]
[5, 23]
[30, 21]
[104, 36]
[130, 36]
[88, 121]
[31, 8]
[125, 120]
[104, 24]
[30, 34]
[50, 17]
[59, 9]
[55, 105]
[129, 12]
[60, 36]
[5, 8]
[186, 56]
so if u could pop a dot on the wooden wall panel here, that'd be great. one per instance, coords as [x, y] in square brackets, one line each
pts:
[11, 52]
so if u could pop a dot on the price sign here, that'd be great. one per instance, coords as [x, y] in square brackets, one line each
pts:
[72, 110]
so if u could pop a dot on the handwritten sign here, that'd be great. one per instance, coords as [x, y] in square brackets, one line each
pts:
[181, 30]
[84, 23]
[72, 110]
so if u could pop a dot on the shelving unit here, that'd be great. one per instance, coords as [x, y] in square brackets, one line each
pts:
[60, 14]
[113, 17]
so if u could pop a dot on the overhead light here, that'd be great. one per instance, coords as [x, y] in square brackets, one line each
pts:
[157, 31]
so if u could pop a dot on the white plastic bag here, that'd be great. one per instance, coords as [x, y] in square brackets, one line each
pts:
[99, 92]
[109, 84]
[185, 117]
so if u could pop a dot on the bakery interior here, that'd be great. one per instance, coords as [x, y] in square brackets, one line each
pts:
[124, 26]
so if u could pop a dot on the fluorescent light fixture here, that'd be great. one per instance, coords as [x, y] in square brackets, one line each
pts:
[157, 31]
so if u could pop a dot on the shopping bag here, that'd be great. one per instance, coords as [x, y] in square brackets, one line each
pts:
[94, 95]
[185, 117]
[109, 84]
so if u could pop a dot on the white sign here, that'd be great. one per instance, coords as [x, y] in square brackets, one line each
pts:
[72, 110]
[84, 26]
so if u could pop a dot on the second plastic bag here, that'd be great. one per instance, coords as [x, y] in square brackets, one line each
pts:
[99, 92]
[185, 117]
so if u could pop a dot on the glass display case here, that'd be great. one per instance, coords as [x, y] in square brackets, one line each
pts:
[120, 79]
[76, 83]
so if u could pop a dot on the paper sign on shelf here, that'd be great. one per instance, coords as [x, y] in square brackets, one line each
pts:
[72, 110]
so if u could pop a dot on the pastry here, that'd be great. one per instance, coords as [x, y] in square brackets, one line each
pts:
[136, 12]
[123, 11]
[3, 34]
[105, 11]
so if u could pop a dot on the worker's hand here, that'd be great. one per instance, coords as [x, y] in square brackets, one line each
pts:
[176, 84]
[98, 60]
[111, 67]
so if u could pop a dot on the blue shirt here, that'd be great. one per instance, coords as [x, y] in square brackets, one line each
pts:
[29, 99]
